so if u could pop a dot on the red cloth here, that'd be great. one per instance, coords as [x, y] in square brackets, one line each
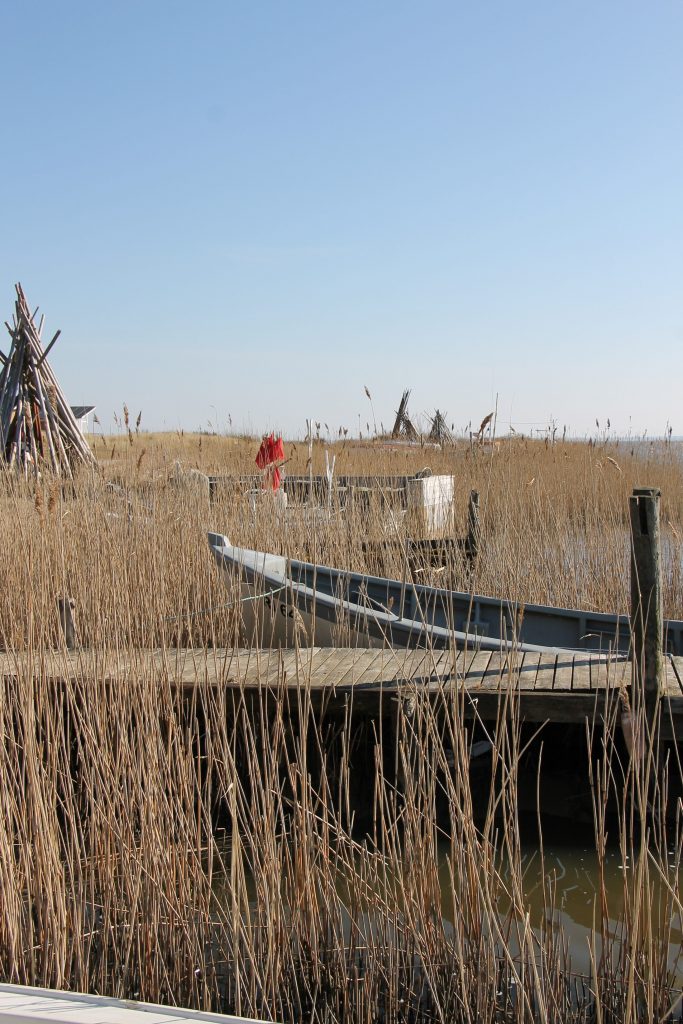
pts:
[272, 450]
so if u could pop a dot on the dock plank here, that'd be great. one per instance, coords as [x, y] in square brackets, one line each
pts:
[346, 670]
[495, 675]
[528, 670]
[328, 671]
[447, 661]
[564, 672]
[40, 1006]
[475, 669]
[319, 664]
[421, 665]
[545, 675]
[372, 668]
[581, 672]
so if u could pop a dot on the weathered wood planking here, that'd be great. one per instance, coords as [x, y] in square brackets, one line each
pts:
[564, 687]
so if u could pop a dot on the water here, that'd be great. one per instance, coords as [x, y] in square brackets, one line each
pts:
[572, 870]
[569, 867]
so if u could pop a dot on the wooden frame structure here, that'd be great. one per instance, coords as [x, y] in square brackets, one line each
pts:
[38, 430]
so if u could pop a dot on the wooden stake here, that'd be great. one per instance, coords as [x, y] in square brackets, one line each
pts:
[44, 356]
[66, 621]
[647, 629]
[472, 542]
[46, 420]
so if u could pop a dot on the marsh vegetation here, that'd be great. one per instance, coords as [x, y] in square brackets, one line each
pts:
[248, 856]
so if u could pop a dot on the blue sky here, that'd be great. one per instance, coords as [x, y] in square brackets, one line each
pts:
[246, 212]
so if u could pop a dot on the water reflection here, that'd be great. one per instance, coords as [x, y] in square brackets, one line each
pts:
[562, 886]
[572, 873]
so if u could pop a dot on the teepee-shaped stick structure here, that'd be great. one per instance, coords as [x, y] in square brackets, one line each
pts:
[38, 430]
[440, 432]
[403, 425]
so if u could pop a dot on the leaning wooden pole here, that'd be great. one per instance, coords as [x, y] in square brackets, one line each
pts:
[647, 623]
[473, 528]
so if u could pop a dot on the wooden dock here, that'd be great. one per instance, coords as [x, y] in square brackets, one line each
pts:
[21, 1004]
[565, 687]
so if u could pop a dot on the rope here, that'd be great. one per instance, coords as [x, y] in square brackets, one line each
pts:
[230, 604]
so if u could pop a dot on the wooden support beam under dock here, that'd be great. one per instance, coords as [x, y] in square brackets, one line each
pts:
[564, 687]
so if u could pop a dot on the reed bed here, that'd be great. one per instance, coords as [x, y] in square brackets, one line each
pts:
[129, 544]
[200, 848]
[238, 852]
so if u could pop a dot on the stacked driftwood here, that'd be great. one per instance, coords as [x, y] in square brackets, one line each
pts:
[403, 427]
[37, 427]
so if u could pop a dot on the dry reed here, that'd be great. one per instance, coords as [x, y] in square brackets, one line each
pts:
[205, 847]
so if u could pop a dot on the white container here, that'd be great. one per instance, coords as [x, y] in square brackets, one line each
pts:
[430, 504]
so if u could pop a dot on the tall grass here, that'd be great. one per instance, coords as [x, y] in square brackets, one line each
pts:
[554, 530]
[242, 851]
[200, 849]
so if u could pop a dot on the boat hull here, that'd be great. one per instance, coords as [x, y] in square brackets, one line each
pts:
[284, 602]
[270, 617]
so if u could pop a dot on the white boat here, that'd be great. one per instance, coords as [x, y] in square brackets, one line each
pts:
[285, 602]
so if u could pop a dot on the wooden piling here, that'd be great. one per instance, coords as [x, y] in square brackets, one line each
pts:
[67, 622]
[472, 542]
[647, 630]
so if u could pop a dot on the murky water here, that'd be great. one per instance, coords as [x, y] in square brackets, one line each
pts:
[571, 869]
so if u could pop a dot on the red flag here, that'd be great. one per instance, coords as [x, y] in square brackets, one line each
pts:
[272, 450]
[278, 449]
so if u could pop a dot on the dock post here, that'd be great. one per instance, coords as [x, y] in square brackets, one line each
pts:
[647, 629]
[66, 621]
[472, 542]
[398, 739]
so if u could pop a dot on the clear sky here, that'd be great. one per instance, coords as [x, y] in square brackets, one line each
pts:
[247, 212]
